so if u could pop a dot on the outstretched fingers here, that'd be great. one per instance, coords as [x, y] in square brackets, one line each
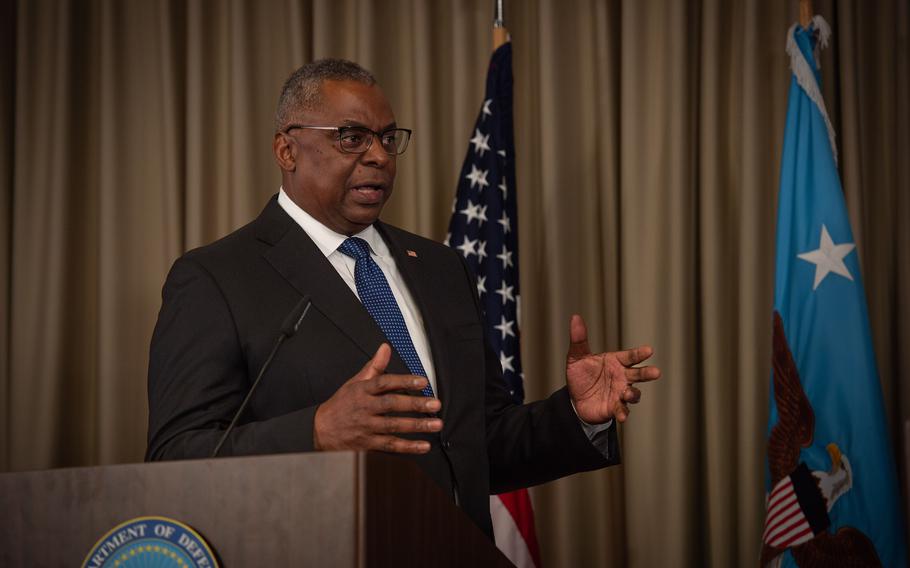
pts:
[405, 425]
[642, 374]
[396, 445]
[391, 403]
[389, 383]
[364, 414]
[621, 413]
[634, 356]
[631, 395]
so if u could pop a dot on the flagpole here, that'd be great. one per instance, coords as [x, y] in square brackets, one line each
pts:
[805, 13]
[512, 513]
[500, 33]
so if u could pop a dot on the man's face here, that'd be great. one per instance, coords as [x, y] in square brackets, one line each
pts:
[345, 192]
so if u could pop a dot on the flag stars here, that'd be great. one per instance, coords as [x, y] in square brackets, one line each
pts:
[478, 177]
[505, 327]
[506, 293]
[506, 363]
[481, 142]
[480, 226]
[467, 248]
[828, 257]
[485, 111]
[471, 211]
[505, 222]
[505, 256]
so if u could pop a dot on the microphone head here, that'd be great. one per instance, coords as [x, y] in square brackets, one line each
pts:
[292, 322]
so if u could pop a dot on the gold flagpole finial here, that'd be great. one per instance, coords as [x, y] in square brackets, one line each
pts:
[500, 33]
[805, 13]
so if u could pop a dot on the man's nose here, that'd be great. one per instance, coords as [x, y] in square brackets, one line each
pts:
[376, 155]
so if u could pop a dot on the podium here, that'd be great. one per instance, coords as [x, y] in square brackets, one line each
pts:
[315, 509]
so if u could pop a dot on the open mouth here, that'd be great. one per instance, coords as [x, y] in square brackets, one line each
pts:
[368, 193]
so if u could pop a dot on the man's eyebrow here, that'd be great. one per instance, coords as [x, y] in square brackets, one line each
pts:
[351, 122]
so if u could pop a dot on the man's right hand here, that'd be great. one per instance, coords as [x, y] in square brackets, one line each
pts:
[356, 416]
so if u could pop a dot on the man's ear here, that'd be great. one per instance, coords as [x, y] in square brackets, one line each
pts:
[285, 152]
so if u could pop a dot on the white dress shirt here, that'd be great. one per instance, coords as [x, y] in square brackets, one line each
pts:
[328, 242]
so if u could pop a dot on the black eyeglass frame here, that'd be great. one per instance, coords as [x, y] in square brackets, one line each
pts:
[340, 130]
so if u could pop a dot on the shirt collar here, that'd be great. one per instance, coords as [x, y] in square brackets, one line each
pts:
[326, 239]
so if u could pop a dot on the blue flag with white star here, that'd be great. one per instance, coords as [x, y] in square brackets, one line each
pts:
[832, 491]
[484, 225]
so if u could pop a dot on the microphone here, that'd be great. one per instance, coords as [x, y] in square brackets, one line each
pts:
[289, 327]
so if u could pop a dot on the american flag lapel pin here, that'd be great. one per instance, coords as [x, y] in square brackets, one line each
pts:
[411, 253]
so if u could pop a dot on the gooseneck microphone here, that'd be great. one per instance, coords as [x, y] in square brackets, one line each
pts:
[289, 327]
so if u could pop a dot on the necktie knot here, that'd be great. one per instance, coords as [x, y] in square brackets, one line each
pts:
[355, 248]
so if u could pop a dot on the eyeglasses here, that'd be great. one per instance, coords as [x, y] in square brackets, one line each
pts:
[358, 139]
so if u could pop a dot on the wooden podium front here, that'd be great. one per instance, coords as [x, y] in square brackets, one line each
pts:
[314, 509]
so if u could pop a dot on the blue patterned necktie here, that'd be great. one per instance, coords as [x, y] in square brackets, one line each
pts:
[377, 298]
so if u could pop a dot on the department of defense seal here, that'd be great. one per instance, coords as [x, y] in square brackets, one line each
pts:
[151, 541]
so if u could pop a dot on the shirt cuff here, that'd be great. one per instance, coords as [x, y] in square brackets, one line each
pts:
[596, 433]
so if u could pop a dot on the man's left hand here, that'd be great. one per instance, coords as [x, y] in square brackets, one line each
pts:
[601, 385]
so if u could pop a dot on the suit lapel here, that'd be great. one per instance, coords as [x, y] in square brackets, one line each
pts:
[297, 258]
[413, 271]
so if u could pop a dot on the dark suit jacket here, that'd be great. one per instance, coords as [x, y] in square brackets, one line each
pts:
[223, 305]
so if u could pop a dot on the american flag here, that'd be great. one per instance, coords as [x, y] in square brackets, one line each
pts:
[484, 228]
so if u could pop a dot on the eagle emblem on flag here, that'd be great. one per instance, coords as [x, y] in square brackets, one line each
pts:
[800, 500]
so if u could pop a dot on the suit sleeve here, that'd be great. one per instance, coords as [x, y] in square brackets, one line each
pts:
[198, 378]
[537, 442]
[533, 443]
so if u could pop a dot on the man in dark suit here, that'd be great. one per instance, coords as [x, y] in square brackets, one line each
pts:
[391, 356]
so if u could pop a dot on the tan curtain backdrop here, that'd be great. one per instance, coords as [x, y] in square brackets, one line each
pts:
[648, 138]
